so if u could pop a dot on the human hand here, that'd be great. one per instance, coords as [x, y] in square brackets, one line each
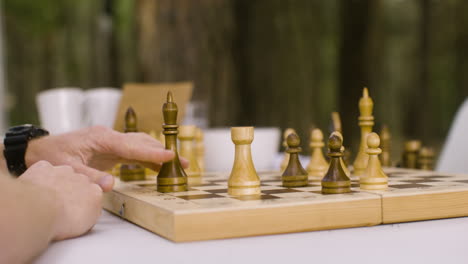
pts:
[91, 150]
[78, 200]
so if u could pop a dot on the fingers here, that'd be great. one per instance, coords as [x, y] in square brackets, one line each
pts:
[185, 162]
[104, 180]
[136, 146]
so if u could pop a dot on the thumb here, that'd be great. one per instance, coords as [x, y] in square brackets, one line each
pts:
[103, 179]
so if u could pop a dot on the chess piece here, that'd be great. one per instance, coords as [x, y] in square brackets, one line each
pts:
[200, 149]
[131, 172]
[171, 177]
[366, 122]
[318, 166]
[335, 123]
[426, 159]
[243, 179]
[410, 155]
[385, 137]
[335, 180]
[285, 161]
[343, 150]
[186, 137]
[294, 175]
[374, 178]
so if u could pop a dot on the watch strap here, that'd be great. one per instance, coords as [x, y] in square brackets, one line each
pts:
[14, 152]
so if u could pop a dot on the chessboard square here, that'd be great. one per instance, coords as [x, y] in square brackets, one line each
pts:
[208, 187]
[277, 191]
[256, 197]
[272, 183]
[461, 181]
[189, 193]
[217, 191]
[271, 187]
[308, 188]
[419, 181]
[199, 196]
[297, 194]
[409, 186]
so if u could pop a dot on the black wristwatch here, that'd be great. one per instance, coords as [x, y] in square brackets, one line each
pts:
[16, 142]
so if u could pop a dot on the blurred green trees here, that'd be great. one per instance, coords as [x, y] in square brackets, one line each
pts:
[254, 62]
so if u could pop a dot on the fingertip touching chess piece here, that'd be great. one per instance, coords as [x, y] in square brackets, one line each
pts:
[385, 139]
[200, 149]
[285, 161]
[243, 179]
[366, 122]
[317, 166]
[374, 178]
[294, 175]
[335, 180]
[426, 158]
[410, 154]
[187, 150]
[171, 177]
[131, 172]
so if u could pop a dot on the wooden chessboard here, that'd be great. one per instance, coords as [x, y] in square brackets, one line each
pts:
[208, 212]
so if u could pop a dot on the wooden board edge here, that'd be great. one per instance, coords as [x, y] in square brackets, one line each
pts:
[399, 209]
[144, 215]
[266, 221]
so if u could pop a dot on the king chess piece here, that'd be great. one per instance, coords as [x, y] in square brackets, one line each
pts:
[171, 177]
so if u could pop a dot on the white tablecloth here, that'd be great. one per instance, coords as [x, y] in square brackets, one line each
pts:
[116, 241]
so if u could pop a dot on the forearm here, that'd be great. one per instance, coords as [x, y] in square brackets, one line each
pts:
[27, 220]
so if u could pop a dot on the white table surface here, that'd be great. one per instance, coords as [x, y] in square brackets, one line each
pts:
[115, 241]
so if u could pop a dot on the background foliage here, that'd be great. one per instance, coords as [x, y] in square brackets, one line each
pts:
[254, 62]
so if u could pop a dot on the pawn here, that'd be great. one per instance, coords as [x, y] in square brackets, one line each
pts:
[374, 177]
[243, 179]
[426, 159]
[385, 137]
[285, 161]
[186, 137]
[411, 153]
[200, 149]
[336, 180]
[131, 172]
[318, 166]
[294, 175]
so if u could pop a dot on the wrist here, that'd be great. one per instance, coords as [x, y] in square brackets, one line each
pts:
[33, 152]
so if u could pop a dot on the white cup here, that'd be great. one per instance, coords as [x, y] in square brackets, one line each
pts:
[61, 109]
[101, 106]
[219, 148]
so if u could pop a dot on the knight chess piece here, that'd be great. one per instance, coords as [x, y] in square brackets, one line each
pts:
[317, 166]
[243, 179]
[385, 157]
[285, 161]
[374, 178]
[187, 150]
[366, 122]
[171, 177]
[410, 154]
[294, 175]
[335, 180]
[131, 172]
